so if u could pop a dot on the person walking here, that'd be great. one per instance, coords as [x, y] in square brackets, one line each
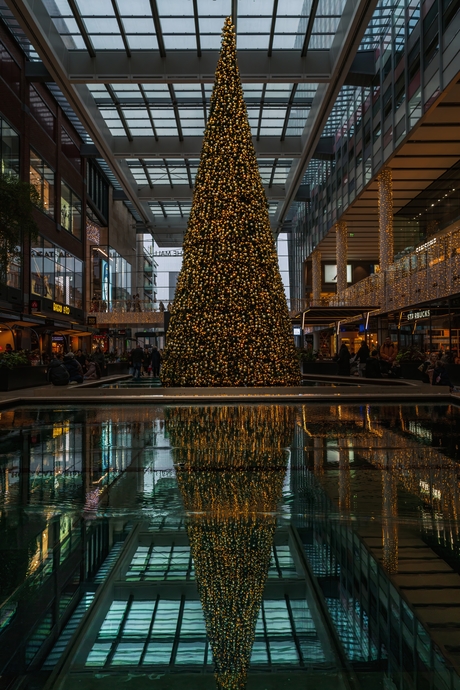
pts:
[99, 358]
[147, 362]
[137, 357]
[344, 360]
[362, 356]
[155, 362]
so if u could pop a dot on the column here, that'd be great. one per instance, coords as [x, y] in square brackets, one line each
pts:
[316, 277]
[341, 251]
[386, 239]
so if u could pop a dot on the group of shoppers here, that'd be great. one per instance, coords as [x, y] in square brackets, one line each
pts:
[145, 362]
[382, 362]
[76, 367]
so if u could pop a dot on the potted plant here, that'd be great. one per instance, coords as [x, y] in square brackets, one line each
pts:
[16, 372]
[18, 200]
[409, 360]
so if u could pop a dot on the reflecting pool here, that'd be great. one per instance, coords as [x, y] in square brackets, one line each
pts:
[260, 547]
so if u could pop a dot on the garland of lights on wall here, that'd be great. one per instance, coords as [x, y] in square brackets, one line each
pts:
[231, 464]
[316, 277]
[230, 322]
[341, 244]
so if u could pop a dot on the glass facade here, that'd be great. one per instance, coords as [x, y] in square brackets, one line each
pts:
[42, 177]
[56, 274]
[71, 211]
[110, 277]
[10, 149]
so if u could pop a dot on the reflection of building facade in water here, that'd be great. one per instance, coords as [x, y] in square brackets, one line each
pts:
[378, 575]
[67, 460]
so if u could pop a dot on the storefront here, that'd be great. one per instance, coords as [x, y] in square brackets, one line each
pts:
[430, 327]
[56, 281]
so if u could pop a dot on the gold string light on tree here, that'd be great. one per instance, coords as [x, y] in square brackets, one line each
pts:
[230, 465]
[230, 324]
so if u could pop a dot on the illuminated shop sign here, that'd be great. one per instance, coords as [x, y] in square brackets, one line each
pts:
[423, 247]
[61, 308]
[415, 315]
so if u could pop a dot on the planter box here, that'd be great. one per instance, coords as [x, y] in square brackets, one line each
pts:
[323, 368]
[453, 371]
[22, 377]
[409, 370]
[117, 368]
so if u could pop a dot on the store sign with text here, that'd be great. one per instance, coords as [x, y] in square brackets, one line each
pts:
[61, 308]
[416, 315]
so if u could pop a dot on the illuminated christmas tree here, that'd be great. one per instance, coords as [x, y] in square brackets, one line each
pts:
[231, 464]
[230, 323]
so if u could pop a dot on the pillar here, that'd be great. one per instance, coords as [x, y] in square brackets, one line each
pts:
[316, 277]
[386, 238]
[341, 251]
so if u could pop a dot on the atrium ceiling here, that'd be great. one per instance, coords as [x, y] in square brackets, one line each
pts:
[138, 75]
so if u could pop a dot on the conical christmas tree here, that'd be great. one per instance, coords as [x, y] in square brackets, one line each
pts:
[230, 465]
[230, 323]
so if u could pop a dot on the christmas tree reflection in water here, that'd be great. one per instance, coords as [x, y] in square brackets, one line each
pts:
[231, 463]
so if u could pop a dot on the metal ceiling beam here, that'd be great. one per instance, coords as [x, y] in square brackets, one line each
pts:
[355, 18]
[171, 147]
[148, 67]
[179, 66]
[164, 192]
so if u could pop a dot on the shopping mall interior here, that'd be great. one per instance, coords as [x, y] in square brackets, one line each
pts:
[224, 534]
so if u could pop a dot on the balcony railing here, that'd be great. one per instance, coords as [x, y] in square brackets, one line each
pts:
[128, 311]
[430, 272]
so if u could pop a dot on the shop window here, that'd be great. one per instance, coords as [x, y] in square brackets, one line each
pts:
[10, 149]
[387, 68]
[56, 274]
[70, 211]
[97, 188]
[449, 10]
[400, 90]
[110, 279]
[42, 178]
[387, 103]
[430, 35]
[13, 271]
[10, 71]
[41, 112]
[70, 149]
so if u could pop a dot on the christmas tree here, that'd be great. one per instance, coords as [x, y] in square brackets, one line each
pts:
[230, 323]
[230, 465]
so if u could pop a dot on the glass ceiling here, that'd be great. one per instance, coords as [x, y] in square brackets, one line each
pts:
[182, 109]
[183, 171]
[131, 25]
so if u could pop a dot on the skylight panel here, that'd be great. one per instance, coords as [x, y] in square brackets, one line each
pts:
[293, 8]
[99, 8]
[220, 8]
[139, 25]
[134, 8]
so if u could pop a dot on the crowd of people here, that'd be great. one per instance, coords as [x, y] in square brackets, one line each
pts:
[78, 367]
[383, 362]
